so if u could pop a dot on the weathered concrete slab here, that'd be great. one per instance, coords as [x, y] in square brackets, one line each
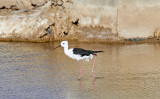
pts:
[138, 18]
[82, 20]
[98, 18]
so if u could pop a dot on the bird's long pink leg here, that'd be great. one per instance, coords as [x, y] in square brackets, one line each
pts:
[94, 64]
[80, 70]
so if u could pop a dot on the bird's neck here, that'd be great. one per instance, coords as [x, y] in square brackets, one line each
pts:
[66, 48]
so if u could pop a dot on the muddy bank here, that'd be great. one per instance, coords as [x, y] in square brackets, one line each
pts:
[79, 20]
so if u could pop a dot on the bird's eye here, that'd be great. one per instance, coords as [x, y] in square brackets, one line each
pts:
[62, 43]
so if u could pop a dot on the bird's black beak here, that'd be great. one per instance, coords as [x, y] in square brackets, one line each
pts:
[57, 46]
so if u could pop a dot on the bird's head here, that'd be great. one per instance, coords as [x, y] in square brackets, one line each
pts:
[63, 44]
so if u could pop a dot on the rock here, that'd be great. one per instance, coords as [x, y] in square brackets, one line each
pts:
[49, 20]
[26, 25]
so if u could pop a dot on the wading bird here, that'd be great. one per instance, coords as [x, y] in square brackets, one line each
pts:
[79, 54]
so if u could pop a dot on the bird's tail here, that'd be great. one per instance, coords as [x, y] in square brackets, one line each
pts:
[96, 52]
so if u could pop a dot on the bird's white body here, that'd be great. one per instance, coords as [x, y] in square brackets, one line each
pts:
[69, 53]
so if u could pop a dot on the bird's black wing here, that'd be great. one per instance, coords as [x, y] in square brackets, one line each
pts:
[82, 52]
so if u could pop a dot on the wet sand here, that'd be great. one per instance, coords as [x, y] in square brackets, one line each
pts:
[36, 71]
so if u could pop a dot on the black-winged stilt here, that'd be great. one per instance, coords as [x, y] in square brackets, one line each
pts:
[79, 54]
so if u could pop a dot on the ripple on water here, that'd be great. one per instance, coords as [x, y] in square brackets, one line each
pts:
[35, 70]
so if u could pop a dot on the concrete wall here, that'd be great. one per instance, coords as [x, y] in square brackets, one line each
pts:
[98, 18]
[127, 18]
[138, 18]
[111, 20]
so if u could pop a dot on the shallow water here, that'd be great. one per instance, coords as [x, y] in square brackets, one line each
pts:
[36, 71]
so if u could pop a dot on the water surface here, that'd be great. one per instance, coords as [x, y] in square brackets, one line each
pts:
[36, 71]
